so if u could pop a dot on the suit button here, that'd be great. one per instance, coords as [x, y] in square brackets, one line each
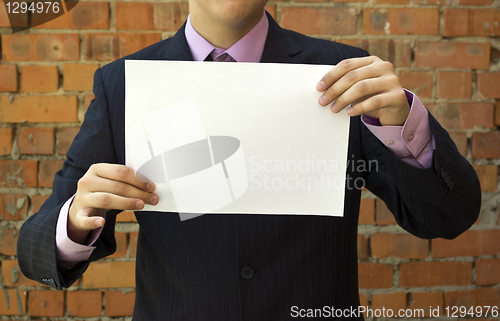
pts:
[247, 272]
[443, 171]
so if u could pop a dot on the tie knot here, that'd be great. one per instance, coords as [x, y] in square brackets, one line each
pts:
[224, 57]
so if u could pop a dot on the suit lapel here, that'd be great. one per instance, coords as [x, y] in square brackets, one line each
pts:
[279, 47]
[176, 48]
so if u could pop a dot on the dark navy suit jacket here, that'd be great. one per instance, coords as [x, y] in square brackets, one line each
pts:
[192, 270]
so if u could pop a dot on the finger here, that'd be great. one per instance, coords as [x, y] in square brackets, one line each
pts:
[341, 69]
[88, 223]
[120, 173]
[109, 201]
[359, 91]
[374, 103]
[99, 184]
[346, 82]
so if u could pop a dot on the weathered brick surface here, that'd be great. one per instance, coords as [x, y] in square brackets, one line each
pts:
[39, 79]
[448, 54]
[444, 51]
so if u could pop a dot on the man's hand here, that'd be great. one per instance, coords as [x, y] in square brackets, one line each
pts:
[105, 187]
[370, 85]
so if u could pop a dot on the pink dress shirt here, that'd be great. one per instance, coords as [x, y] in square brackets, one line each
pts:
[413, 142]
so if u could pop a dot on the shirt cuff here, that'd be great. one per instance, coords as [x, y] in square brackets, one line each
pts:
[410, 140]
[69, 252]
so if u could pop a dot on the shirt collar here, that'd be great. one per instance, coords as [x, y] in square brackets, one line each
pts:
[248, 49]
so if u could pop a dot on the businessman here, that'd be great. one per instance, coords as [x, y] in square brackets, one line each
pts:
[249, 267]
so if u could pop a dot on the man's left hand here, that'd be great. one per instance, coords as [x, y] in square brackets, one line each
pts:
[370, 85]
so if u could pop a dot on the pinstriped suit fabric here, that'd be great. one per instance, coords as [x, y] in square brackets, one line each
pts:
[190, 270]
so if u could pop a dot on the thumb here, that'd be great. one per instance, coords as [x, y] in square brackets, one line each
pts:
[85, 222]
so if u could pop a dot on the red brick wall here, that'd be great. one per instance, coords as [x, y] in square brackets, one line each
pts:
[446, 51]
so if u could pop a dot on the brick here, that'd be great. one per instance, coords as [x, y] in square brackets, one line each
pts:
[121, 245]
[488, 272]
[367, 211]
[126, 216]
[36, 140]
[434, 2]
[457, 55]
[17, 20]
[470, 243]
[363, 301]
[46, 303]
[384, 216]
[6, 136]
[79, 77]
[272, 10]
[65, 136]
[488, 177]
[423, 274]
[8, 241]
[401, 21]
[84, 303]
[150, 15]
[39, 79]
[392, 1]
[47, 171]
[13, 207]
[497, 114]
[454, 85]
[398, 52]
[495, 56]
[471, 22]
[40, 47]
[88, 99]
[425, 301]
[475, 2]
[133, 244]
[463, 115]
[37, 201]
[109, 46]
[8, 77]
[12, 275]
[362, 247]
[394, 301]
[13, 302]
[418, 82]
[320, 21]
[110, 275]
[473, 298]
[374, 275]
[400, 245]
[488, 84]
[86, 15]
[39, 109]
[20, 173]
[486, 145]
[460, 140]
[119, 304]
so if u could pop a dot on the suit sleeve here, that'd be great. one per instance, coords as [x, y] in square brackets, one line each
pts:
[440, 201]
[36, 248]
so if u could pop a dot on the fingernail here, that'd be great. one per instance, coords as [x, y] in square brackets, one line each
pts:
[138, 205]
[97, 222]
[320, 85]
[322, 100]
[334, 107]
[350, 111]
[150, 187]
[154, 200]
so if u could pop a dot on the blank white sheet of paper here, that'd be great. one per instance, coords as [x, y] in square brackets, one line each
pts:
[235, 137]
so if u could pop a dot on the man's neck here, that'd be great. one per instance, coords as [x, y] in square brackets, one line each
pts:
[221, 35]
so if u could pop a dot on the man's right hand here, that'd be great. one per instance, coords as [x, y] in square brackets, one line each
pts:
[105, 187]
